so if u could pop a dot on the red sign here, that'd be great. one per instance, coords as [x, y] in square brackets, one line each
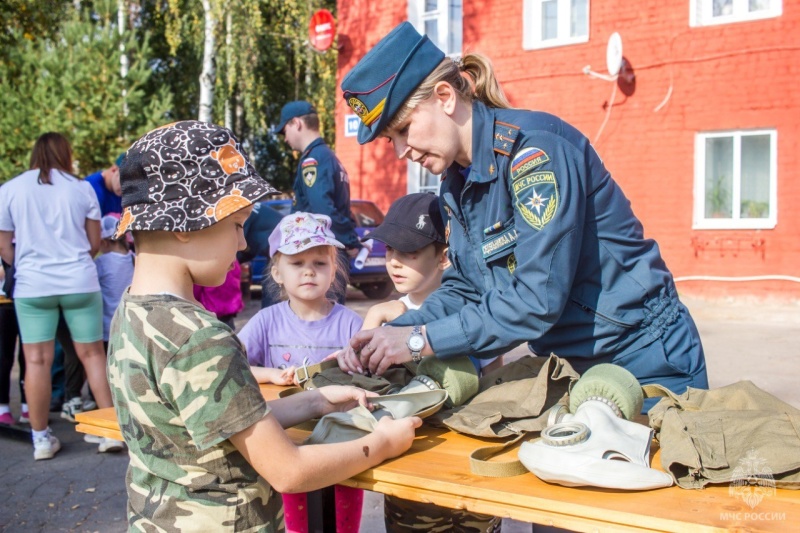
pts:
[321, 30]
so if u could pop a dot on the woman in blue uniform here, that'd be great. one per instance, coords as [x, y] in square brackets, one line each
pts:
[544, 245]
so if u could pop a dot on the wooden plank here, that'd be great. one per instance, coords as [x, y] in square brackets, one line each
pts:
[436, 469]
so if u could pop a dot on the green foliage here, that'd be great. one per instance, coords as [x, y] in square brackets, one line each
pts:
[71, 83]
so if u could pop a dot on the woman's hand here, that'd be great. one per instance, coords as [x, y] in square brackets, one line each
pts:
[342, 398]
[380, 348]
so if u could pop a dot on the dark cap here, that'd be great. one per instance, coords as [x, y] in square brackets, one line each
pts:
[295, 109]
[186, 176]
[379, 84]
[413, 222]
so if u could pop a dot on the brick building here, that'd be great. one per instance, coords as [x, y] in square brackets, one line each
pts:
[701, 128]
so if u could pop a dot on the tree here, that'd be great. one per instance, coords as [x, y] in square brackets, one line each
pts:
[70, 82]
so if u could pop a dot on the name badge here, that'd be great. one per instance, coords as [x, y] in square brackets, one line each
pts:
[499, 243]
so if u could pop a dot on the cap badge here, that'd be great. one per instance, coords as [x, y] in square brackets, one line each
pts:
[421, 222]
[358, 107]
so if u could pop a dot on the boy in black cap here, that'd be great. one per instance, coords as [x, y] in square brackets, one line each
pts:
[206, 450]
[416, 259]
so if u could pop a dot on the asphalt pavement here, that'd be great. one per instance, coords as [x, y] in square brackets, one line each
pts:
[81, 490]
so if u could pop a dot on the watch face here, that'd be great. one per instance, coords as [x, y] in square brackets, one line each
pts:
[416, 343]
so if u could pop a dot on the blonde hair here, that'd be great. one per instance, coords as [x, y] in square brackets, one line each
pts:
[340, 266]
[472, 77]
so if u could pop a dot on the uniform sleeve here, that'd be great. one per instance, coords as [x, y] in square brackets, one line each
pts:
[549, 205]
[255, 339]
[211, 386]
[321, 196]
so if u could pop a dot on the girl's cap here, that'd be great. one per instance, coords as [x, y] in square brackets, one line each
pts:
[186, 176]
[299, 232]
[382, 80]
[108, 226]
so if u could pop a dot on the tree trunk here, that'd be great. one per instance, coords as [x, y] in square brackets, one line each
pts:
[209, 74]
[229, 71]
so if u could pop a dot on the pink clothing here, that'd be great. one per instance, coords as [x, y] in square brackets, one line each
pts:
[348, 502]
[226, 299]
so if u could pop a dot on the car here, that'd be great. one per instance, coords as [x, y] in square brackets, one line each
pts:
[372, 279]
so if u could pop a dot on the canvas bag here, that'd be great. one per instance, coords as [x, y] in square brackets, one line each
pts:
[726, 435]
[513, 400]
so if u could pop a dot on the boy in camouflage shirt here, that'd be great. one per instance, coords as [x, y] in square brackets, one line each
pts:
[206, 450]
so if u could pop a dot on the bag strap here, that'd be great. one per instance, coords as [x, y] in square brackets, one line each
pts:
[479, 461]
[654, 390]
[306, 372]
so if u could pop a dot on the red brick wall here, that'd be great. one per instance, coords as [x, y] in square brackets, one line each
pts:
[741, 75]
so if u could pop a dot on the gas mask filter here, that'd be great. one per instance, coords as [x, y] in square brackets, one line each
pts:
[593, 442]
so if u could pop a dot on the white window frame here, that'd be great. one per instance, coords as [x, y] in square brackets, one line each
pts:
[532, 25]
[701, 12]
[700, 222]
[417, 17]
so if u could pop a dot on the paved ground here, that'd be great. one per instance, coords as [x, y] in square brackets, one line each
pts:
[81, 490]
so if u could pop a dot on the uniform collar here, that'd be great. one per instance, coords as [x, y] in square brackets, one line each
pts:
[316, 142]
[484, 164]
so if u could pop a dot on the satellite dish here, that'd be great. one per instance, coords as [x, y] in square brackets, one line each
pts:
[614, 54]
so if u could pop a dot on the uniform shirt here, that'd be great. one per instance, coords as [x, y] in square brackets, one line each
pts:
[257, 229]
[277, 338]
[51, 256]
[545, 248]
[181, 387]
[109, 202]
[321, 186]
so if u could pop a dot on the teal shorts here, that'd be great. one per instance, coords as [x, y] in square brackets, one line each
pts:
[38, 317]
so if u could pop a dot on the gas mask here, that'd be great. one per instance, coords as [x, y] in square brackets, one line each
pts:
[592, 443]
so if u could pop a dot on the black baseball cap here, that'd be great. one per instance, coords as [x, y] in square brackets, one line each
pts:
[413, 222]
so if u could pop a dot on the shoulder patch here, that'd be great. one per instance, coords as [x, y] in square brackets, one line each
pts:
[536, 198]
[504, 137]
[309, 170]
[526, 160]
[307, 162]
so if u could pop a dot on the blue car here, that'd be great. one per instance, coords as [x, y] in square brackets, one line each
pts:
[372, 279]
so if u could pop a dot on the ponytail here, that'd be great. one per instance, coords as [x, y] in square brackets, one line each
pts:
[472, 77]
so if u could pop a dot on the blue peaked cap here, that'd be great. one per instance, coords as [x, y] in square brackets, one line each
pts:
[295, 109]
[378, 86]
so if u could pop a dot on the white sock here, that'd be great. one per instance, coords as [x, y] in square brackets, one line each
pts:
[40, 434]
[4, 408]
[24, 407]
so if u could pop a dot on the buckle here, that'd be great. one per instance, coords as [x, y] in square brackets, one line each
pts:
[301, 373]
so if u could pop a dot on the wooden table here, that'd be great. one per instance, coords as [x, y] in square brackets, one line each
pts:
[436, 469]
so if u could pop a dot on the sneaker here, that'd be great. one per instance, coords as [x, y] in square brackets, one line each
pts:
[110, 445]
[7, 419]
[89, 405]
[71, 408]
[92, 439]
[24, 417]
[45, 447]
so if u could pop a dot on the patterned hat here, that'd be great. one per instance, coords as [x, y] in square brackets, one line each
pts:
[300, 231]
[383, 80]
[186, 176]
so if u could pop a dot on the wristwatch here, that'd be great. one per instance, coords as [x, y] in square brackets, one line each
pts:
[416, 343]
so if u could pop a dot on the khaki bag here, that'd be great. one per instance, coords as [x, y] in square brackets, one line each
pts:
[514, 400]
[732, 434]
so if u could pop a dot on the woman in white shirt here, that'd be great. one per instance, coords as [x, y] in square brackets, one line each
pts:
[53, 217]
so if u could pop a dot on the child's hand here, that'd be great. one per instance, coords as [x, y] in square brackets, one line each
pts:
[342, 398]
[286, 376]
[398, 435]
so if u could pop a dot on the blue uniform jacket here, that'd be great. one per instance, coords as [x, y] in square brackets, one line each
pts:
[545, 248]
[322, 186]
[257, 229]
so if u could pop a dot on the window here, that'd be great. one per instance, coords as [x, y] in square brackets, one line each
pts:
[709, 12]
[549, 23]
[441, 21]
[736, 180]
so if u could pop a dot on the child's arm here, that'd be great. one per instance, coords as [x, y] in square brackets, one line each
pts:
[278, 376]
[383, 312]
[290, 468]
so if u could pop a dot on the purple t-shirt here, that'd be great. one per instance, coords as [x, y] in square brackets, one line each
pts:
[277, 338]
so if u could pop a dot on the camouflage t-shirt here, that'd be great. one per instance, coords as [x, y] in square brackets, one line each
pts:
[182, 386]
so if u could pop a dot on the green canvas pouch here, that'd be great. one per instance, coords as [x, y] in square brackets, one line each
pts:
[737, 433]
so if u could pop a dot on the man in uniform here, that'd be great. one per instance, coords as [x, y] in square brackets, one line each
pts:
[321, 185]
